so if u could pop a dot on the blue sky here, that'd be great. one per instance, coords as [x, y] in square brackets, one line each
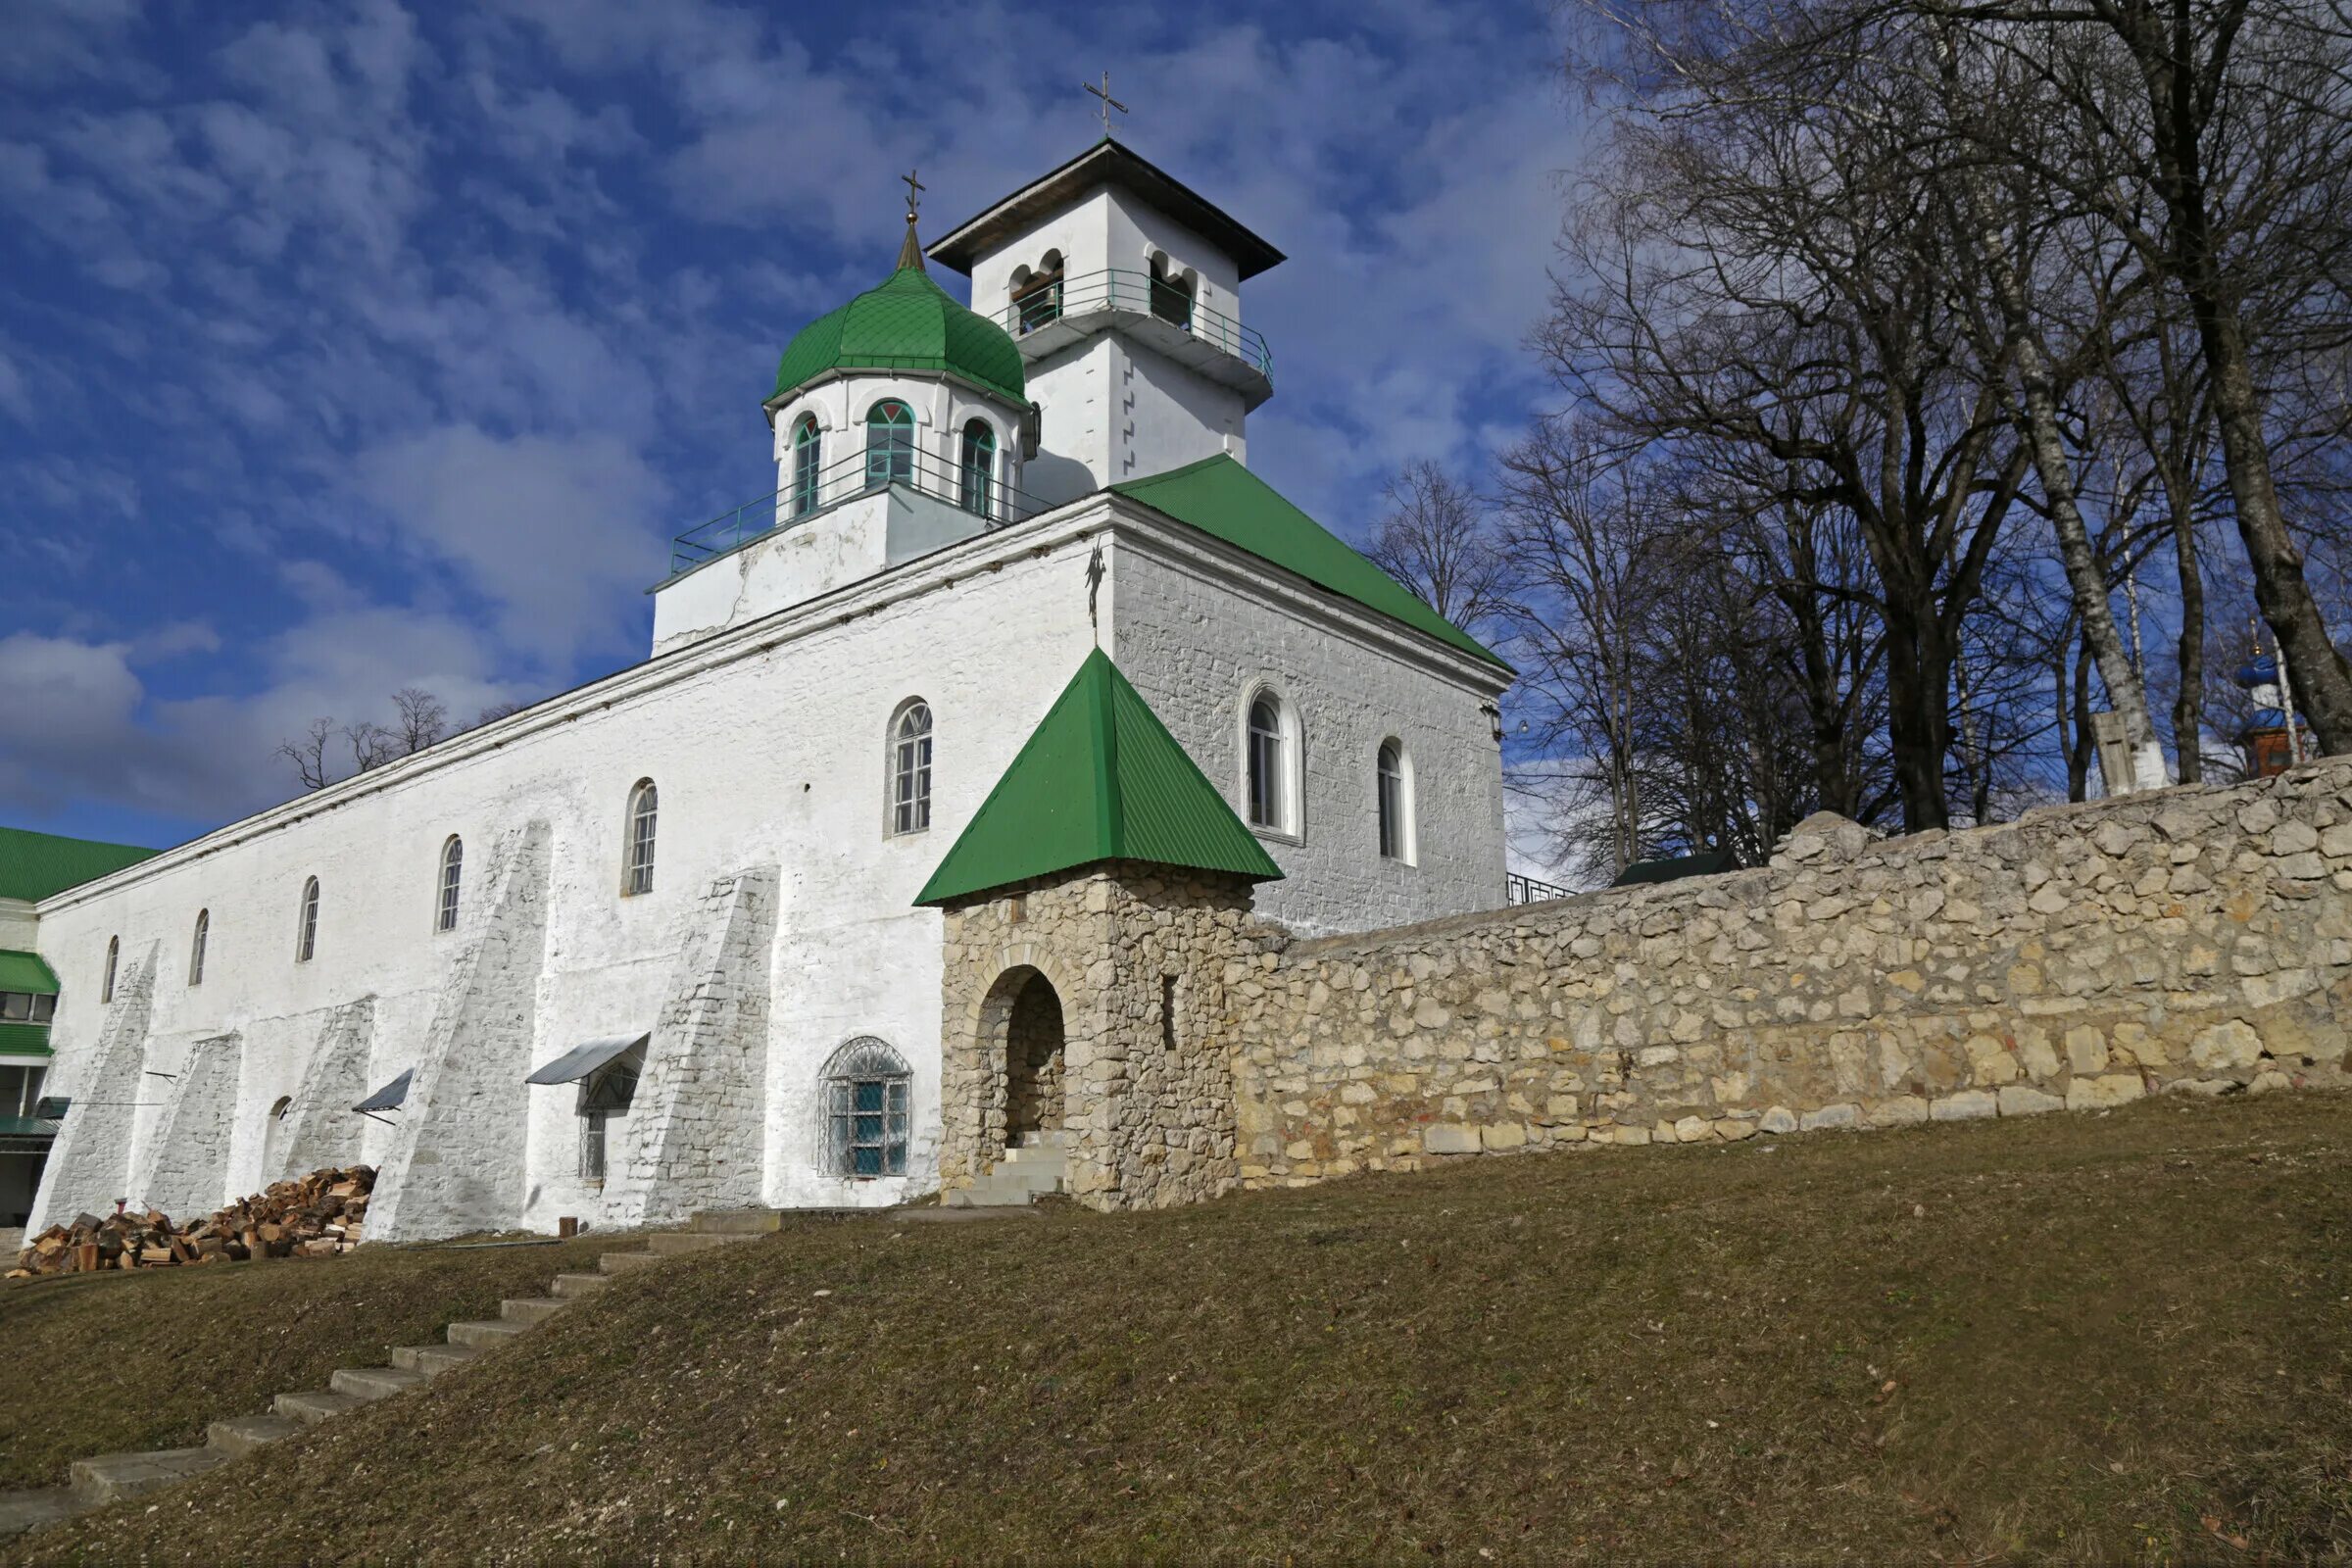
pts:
[348, 346]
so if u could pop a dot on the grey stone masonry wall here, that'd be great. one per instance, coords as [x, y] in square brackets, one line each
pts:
[458, 1163]
[320, 1129]
[694, 1134]
[1138, 956]
[185, 1163]
[2192, 939]
[89, 1164]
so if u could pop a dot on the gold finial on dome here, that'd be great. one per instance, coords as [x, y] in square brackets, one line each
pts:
[911, 249]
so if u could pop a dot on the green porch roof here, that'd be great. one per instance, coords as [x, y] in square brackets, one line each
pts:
[27, 972]
[24, 1040]
[1100, 780]
[34, 866]
[1221, 498]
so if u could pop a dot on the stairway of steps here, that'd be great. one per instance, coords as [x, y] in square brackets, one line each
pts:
[112, 1477]
[1037, 1164]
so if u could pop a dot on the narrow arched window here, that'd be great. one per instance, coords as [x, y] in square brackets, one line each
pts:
[910, 768]
[306, 931]
[1266, 764]
[196, 942]
[889, 443]
[1171, 293]
[113, 957]
[643, 810]
[866, 1089]
[979, 468]
[1036, 298]
[453, 877]
[807, 465]
[1395, 803]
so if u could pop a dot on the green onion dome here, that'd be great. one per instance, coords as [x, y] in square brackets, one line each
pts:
[909, 324]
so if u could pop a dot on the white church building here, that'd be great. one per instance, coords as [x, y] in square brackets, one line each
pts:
[662, 943]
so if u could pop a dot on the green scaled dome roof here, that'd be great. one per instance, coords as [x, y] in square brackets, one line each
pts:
[909, 324]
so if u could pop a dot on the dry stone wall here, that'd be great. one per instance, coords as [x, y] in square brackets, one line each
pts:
[89, 1164]
[320, 1129]
[2193, 939]
[1138, 956]
[185, 1163]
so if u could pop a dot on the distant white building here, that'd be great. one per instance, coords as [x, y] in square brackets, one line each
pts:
[654, 944]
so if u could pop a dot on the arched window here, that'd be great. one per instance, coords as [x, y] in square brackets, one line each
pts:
[113, 957]
[979, 468]
[1171, 292]
[807, 462]
[452, 875]
[306, 931]
[889, 443]
[644, 808]
[196, 942]
[1036, 298]
[1269, 764]
[910, 768]
[865, 1099]
[1394, 787]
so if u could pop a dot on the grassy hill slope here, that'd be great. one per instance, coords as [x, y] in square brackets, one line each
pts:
[2115, 1338]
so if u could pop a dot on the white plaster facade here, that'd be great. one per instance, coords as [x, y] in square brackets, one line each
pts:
[781, 922]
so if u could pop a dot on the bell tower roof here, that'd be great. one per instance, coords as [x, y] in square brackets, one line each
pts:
[1105, 163]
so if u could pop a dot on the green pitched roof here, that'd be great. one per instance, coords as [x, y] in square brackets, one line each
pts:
[34, 866]
[1100, 780]
[25, 971]
[25, 1039]
[909, 324]
[1221, 498]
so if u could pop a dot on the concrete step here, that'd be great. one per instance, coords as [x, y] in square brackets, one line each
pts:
[242, 1433]
[622, 1262]
[736, 1221]
[315, 1405]
[578, 1284]
[486, 1336]
[531, 1310]
[1052, 1154]
[431, 1359]
[990, 1192]
[112, 1477]
[21, 1511]
[372, 1383]
[671, 1243]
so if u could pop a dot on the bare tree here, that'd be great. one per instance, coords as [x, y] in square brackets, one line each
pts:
[1435, 540]
[419, 719]
[307, 754]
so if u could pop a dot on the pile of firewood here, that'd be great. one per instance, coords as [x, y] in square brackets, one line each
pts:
[311, 1216]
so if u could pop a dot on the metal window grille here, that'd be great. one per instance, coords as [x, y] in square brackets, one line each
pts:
[1265, 765]
[1391, 804]
[643, 813]
[306, 940]
[910, 771]
[204, 927]
[866, 1096]
[453, 871]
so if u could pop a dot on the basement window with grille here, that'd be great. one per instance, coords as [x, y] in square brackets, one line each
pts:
[865, 1099]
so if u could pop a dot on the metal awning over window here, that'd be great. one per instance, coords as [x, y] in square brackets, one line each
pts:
[582, 1059]
[389, 1097]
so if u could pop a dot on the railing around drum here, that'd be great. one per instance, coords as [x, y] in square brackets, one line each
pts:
[1114, 289]
[1517, 889]
[986, 495]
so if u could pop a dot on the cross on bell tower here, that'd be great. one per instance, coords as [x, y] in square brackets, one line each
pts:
[910, 250]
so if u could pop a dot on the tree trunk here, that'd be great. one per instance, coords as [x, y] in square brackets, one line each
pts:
[2188, 704]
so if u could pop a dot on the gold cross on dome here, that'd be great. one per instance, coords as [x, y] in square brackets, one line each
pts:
[1108, 102]
[915, 188]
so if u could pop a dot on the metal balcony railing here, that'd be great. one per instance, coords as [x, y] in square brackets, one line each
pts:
[985, 495]
[1114, 289]
[1517, 889]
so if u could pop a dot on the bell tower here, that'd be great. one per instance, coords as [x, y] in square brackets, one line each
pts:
[1122, 288]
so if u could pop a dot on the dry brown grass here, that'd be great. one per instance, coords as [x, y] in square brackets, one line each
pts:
[2121, 1338]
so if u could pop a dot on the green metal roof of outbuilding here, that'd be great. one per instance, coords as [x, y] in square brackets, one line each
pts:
[1100, 780]
[1221, 498]
[34, 866]
[907, 323]
[27, 972]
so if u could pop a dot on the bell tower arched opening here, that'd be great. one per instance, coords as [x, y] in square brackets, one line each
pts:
[1035, 1097]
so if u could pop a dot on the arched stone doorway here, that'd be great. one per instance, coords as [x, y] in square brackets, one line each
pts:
[1035, 1092]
